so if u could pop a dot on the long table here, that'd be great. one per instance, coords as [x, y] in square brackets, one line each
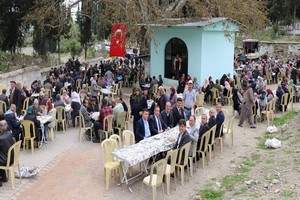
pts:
[145, 149]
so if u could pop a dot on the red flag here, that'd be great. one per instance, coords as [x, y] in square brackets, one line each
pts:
[118, 40]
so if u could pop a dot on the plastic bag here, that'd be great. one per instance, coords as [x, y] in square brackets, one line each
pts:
[271, 129]
[273, 143]
[27, 172]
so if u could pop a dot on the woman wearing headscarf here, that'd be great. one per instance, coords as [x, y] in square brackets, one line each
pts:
[181, 84]
[51, 112]
[173, 96]
[75, 106]
[139, 102]
[206, 89]
[270, 95]
[37, 125]
[261, 84]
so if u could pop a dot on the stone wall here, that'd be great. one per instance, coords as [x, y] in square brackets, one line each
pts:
[279, 48]
[23, 76]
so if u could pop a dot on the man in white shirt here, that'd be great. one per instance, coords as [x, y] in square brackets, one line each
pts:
[189, 98]
[157, 125]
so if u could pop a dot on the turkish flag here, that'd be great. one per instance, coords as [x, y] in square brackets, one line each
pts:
[118, 40]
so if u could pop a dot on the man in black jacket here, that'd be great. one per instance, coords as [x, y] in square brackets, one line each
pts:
[202, 130]
[178, 112]
[12, 122]
[6, 140]
[167, 115]
[15, 96]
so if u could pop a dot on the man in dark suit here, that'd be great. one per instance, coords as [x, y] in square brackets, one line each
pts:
[202, 130]
[142, 129]
[178, 112]
[219, 120]
[167, 116]
[183, 136]
[156, 124]
[6, 140]
[15, 96]
[212, 118]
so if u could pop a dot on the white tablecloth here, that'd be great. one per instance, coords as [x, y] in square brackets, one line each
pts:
[148, 147]
[146, 86]
[95, 115]
[106, 91]
[68, 107]
[35, 95]
[43, 119]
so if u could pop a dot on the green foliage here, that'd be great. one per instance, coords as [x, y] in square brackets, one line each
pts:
[240, 192]
[244, 170]
[278, 121]
[71, 43]
[232, 180]
[211, 194]
[287, 193]
[249, 163]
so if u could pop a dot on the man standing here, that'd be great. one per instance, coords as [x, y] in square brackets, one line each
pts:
[167, 116]
[13, 123]
[247, 111]
[189, 98]
[194, 133]
[156, 124]
[177, 66]
[6, 140]
[178, 112]
[142, 127]
[15, 96]
[219, 120]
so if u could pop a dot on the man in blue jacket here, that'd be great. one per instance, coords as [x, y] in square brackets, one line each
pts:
[142, 127]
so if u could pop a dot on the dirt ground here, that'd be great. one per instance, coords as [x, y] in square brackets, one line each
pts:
[245, 171]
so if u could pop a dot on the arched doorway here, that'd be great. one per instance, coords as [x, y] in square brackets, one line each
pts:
[174, 47]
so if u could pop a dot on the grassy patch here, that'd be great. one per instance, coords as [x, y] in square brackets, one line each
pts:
[255, 157]
[287, 193]
[240, 192]
[278, 121]
[261, 141]
[211, 194]
[249, 163]
[232, 180]
[244, 170]
[270, 161]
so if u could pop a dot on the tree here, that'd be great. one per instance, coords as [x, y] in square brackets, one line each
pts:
[72, 42]
[52, 20]
[85, 24]
[11, 23]
[250, 13]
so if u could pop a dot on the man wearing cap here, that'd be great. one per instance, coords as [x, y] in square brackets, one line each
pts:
[247, 111]
[15, 96]
[189, 98]
[93, 106]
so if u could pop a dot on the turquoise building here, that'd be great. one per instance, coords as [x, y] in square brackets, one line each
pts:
[205, 48]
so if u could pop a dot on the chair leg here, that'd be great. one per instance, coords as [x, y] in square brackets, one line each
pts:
[203, 160]
[12, 177]
[107, 177]
[32, 146]
[221, 141]
[209, 149]
[182, 175]
[191, 166]
[163, 191]
[154, 192]
[168, 182]
[19, 172]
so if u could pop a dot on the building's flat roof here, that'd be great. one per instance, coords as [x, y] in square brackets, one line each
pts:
[187, 22]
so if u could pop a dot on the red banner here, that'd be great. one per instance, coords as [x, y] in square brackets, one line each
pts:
[118, 40]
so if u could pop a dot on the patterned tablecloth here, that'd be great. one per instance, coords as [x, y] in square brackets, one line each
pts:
[146, 148]
[149, 147]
